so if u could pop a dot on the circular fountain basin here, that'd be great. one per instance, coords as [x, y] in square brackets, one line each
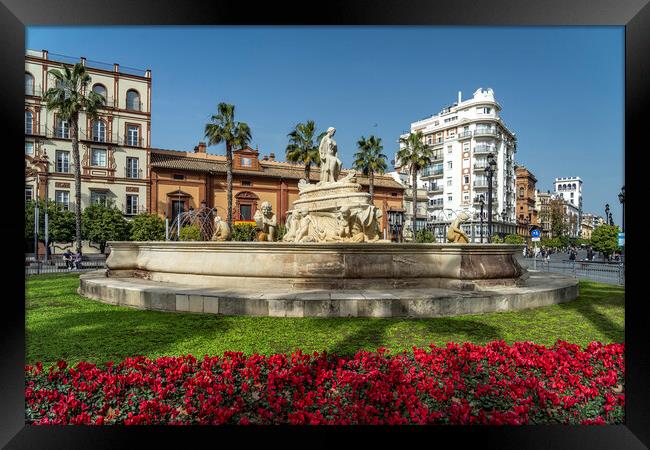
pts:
[322, 280]
[318, 265]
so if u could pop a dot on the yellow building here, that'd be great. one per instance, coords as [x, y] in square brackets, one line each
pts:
[114, 149]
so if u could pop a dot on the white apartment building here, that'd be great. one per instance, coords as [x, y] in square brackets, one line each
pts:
[462, 136]
[114, 149]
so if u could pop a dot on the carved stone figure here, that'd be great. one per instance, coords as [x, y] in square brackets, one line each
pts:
[330, 166]
[307, 228]
[266, 222]
[455, 234]
[221, 230]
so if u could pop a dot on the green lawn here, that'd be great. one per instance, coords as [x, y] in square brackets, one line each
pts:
[60, 324]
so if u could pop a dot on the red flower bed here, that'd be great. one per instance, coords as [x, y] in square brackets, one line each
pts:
[497, 383]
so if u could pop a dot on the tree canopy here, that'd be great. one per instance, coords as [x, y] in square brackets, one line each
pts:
[604, 239]
[147, 227]
[103, 223]
[303, 146]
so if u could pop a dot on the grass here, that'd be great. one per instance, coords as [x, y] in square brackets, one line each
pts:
[60, 324]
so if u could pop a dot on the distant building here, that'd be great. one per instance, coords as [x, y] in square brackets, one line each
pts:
[589, 223]
[525, 191]
[569, 210]
[542, 206]
[570, 189]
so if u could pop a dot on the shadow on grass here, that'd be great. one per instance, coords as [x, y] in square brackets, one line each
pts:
[373, 333]
[115, 334]
[599, 295]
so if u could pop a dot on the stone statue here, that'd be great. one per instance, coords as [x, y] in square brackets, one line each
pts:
[330, 164]
[332, 210]
[293, 222]
[455, 234]
[266, 222]
[221, 230]
[307, 229]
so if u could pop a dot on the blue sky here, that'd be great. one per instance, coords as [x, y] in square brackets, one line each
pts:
[561, 88]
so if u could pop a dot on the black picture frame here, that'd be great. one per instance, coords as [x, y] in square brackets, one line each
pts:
[634, 15]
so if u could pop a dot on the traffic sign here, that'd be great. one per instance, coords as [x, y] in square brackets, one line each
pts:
[535, 238]
[621, 239]
[535, 233]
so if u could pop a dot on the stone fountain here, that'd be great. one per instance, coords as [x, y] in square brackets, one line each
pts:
[330, 263]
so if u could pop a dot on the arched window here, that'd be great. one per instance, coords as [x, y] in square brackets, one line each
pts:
[29, 122]
[101, 90]
[132, 100]
[29, 84]
[99, 131]
[521, 192]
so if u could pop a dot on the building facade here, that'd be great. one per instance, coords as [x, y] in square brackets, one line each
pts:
[525, 191]
[182, 180]
[462, 135]
[589, 223]
[114, 149]
[543, 208]
[570, 190]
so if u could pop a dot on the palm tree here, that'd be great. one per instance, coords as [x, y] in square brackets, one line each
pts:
[302, 147]
[414, 156]
[223, 128]
[370, 160]
[68, 99]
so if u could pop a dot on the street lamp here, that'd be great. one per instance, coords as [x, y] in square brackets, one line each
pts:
[491, 167]
[621, 198]
[611, 220]
[482, 203]
[607, 213]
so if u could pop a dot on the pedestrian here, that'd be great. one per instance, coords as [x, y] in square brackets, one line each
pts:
[67, 258]
[77, 260]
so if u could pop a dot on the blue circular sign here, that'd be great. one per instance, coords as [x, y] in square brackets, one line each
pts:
[535, 232]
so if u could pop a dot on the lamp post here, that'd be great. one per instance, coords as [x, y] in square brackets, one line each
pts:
[611, 220]
[482, 203]
[621, 198]
[607, 213]
[491, 167]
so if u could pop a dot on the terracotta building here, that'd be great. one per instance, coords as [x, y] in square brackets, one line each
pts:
[526, 214]
[180, 180]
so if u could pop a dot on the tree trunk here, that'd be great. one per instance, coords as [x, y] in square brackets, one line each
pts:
[229, 182]
[415, 201]
[371, 186]
[307, 171]
[74, 130]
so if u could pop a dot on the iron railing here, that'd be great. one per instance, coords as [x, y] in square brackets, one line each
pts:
[56, 264]
[130, 141]
[604, 272]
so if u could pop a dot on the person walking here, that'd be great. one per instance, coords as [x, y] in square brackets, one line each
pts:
[77, 260]
[67, 258]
